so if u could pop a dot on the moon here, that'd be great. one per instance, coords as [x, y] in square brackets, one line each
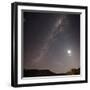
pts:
[69, 52]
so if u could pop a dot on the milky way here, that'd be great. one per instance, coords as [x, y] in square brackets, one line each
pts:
[47, 37]
[50, 38]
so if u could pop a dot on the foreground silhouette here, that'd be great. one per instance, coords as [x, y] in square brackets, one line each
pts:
[36, 72]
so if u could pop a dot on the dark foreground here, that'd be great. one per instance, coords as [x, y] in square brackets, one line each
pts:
[35, 73]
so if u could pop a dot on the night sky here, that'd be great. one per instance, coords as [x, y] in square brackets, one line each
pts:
[51, 41]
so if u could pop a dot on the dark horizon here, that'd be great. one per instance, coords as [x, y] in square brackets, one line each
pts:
[45, 72]
[51, 41]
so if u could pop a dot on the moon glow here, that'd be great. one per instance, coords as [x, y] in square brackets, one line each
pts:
[69, 52]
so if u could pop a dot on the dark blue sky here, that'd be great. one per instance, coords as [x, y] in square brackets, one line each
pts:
[47, 39]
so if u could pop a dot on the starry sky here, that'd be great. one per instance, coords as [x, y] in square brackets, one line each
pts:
[51, 40]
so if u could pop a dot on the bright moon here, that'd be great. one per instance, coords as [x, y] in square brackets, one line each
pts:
[69, 52]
